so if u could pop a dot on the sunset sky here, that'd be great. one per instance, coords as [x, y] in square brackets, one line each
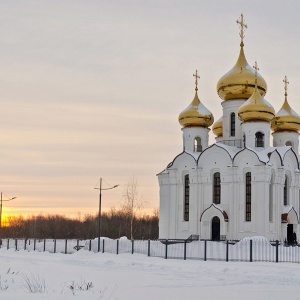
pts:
[92, 89]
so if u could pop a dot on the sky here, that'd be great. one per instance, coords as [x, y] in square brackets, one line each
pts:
[92, 89]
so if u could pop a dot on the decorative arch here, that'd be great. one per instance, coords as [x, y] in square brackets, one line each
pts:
[289, 216]
[206, 222]
[212, 211]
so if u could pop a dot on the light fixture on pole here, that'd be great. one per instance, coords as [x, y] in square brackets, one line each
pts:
[99, 212]
[1, 200]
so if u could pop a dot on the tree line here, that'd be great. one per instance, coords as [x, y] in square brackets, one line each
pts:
[114, 224]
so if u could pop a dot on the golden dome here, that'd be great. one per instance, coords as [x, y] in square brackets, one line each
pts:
[239, 82]
[218, 127]
[286, 119]
[256, 109]
[196, 114]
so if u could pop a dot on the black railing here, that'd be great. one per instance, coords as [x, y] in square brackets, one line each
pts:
[245, 250]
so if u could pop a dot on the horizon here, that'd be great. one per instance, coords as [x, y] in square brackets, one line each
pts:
[94, 90]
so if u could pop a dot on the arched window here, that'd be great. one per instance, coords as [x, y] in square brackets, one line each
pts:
[186, 198]
[289, 143]
[271, 200]
[244, 139]
[285, 191]
[259, 139]
[248, 196]
[197, 144]
[217, 188]
[232, 124]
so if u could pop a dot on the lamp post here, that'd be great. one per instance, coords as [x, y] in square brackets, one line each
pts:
[1, 200]
[99, 212]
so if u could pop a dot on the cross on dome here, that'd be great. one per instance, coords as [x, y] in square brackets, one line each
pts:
[285, 85]
[243, 25]
[196, 80]
[256, 70]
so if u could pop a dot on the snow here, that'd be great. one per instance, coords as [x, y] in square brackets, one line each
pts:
[137, 276]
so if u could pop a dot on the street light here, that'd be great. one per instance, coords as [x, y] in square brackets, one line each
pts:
[99, 212]
[1, 200]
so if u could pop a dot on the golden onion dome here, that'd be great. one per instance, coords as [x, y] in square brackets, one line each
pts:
[256, 109]
[286, 119]
[239, 82]
[218, 127]
[196, 114]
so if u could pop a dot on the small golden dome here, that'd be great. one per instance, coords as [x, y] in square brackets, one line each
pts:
[196, 114]
[256, 109]
[286, 119]
[239, 82]
[218, 127]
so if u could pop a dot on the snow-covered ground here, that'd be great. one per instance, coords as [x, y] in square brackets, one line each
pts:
[88, 275]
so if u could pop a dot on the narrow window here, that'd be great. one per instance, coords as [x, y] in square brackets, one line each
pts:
[271, 200]
[244, 139]
[232, 124]
[285, 191]
[217, 189]
[248, 196]
[186, 197]
[259, 139]
[197, 144]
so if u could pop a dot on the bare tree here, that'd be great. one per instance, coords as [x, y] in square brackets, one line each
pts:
[132, 203]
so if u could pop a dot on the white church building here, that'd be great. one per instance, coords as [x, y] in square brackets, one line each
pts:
[241, 185]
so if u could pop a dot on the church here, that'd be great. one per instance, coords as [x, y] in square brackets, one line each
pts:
[241, 185]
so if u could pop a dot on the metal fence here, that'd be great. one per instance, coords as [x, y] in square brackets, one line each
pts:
[245, 250]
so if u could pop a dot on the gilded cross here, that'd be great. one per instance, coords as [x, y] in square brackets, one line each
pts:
[196, 79]
[285, 85]
[256, 70]
[243, 25]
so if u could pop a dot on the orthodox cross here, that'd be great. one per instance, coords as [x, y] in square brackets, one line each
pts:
[256, 70]
[243, 25]
[196, 80]
[285, 85]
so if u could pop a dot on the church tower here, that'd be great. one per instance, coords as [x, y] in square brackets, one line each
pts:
[234, 88]
[195, 120]
[256, 115]
[286, 125]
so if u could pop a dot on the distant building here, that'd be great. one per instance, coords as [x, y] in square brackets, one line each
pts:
[241, 185]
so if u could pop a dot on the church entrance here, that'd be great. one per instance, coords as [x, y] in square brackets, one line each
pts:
[290, 234]
[215, 229]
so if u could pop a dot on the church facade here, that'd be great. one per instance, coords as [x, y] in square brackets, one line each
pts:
[241, 185]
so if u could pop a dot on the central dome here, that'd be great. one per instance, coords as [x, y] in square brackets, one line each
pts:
[239, 82]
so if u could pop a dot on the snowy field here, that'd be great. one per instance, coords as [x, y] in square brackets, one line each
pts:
[88, 275]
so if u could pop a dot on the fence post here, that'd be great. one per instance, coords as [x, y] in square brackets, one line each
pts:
[205, 250]
[277, 244]
[44, 245]
[132, 246]
[117, 246]
[90, 245]
[184, 255]
[103, 245]
[7, 244]
[34, 244]
[166, 253]
[251, 250]
[25, 242]
[16, 244]
[54, 246]
[148, 247]
[227, 250]
[66, 246]
[77, 245]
